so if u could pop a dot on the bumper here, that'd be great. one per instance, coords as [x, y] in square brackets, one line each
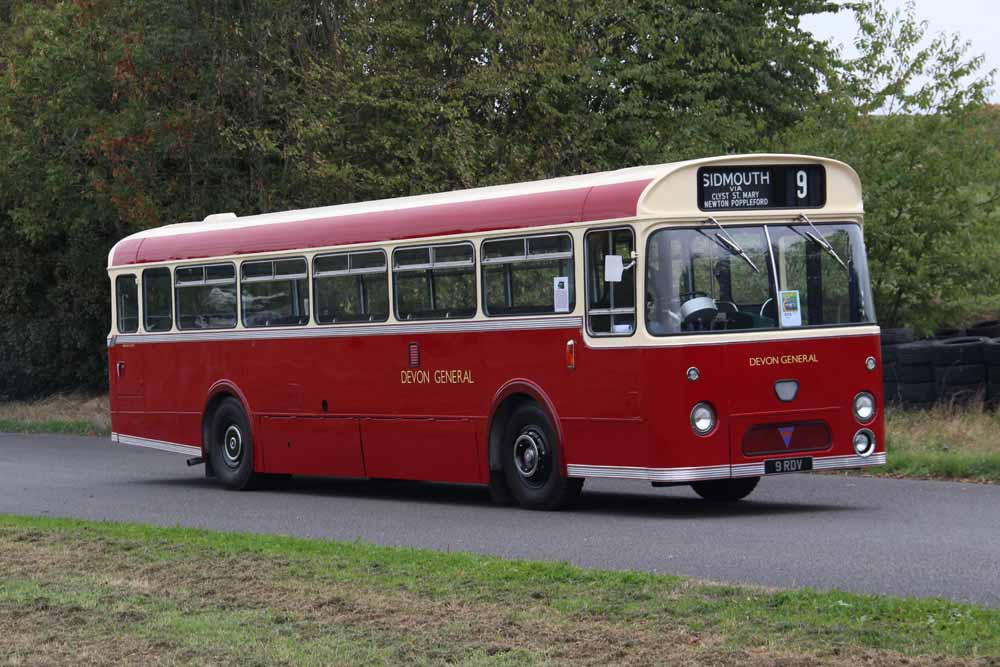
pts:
[698, 474]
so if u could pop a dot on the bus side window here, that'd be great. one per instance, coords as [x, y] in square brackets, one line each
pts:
[520, 275]
[205, 296]
[351, 287]
[128, 303]
[434, 282]
[275, 293]
[156, 300]
[610, 305]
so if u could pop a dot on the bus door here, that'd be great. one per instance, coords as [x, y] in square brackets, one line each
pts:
[603, 423]
[126, 359]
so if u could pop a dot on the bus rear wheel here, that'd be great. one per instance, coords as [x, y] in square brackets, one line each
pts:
[726, 490]
[231, 446]
[532, 463]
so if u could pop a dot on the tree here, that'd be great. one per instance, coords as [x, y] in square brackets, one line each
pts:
[909, 114]
[118, 116]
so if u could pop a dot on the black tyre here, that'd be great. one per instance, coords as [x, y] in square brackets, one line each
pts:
[961, 394]
[726, 490]
[914, 374]
[890, 353]
[919, 353]
[986, 329]
[890, 372]
[964, 350]
[897, 336]
[532, 462]
[891, 392]
[920, 392]
[991, 354]
[959, 374]
[944, 333]
[230, 445]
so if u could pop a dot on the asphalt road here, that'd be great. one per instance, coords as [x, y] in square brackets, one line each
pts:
[902, 537]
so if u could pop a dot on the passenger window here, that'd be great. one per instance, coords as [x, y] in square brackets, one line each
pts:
[205, 296]
[275, 293]
[610, 305]
[351, 287]
[157, 311]
[528, 275]
[435, 282]
[127, 295]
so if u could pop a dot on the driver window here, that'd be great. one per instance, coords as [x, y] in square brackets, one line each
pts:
[610, 305]
[695, 282]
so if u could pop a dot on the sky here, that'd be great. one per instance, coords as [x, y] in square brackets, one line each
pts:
[975, 20]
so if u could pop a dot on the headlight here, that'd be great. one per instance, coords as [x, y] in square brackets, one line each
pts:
[702, 419]
[864, 443]
[864, 407]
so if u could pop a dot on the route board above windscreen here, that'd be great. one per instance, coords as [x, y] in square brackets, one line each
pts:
[761, 187]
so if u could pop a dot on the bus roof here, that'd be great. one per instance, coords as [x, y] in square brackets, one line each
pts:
[652, 191]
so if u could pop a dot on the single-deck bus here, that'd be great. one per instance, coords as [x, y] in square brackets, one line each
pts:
[707, 322]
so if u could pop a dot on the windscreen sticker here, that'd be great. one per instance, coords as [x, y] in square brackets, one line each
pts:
[791, 311]
[560, 294]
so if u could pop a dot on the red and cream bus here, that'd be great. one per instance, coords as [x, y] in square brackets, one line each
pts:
[706, 322]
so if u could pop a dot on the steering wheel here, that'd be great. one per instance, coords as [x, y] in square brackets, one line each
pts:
[764, 305]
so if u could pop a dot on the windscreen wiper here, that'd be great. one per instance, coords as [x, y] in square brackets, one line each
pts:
[725, 239]
[818, 239]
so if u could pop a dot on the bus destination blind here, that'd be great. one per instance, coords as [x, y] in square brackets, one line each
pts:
[755, 188]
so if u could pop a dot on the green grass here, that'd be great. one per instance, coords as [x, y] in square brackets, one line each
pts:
[180, 596]
[943, 443]
[66, 427]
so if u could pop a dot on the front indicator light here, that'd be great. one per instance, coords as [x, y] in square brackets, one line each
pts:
[864, 443]
[702, 419]
[864, 407]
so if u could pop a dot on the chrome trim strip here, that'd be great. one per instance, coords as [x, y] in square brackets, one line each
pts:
[651, 474]
[851, 461]
[700, 473]
[327, 331]
[172, 447]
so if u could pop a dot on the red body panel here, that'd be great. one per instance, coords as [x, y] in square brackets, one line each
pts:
[619, 407]
[604, 202]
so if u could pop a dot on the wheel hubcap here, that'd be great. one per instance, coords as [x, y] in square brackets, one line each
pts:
[232, 446]
[531, 456]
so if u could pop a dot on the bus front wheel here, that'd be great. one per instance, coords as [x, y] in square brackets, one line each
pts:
[532, 462]
[231, 446]
[726, 490]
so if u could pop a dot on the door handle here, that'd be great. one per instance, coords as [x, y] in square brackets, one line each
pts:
[120, 368]
[570, 355]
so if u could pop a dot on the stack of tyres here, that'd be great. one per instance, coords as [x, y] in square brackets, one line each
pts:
[914, 373]
[891, 340]
[987, 329]
[958, 369]
[991, 357]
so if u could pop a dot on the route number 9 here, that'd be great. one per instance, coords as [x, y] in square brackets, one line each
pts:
[802, 180]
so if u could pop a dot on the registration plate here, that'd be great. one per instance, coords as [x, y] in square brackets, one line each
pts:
[788, 465]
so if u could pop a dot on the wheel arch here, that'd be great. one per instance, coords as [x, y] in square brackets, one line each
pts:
[507, 399]
[217, 393]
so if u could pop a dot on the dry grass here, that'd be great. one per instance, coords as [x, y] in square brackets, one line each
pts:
[80, 413]
[971, 430]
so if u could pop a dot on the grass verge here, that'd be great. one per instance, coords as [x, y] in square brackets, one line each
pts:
[75, 592]
[71, 414]
[943, 443]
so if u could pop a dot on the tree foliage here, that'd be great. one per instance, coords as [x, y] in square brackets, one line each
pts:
[909, 115]
[118, 116]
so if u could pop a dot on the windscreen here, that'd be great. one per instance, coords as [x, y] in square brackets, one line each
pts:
[822, 275]
[713, 279]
